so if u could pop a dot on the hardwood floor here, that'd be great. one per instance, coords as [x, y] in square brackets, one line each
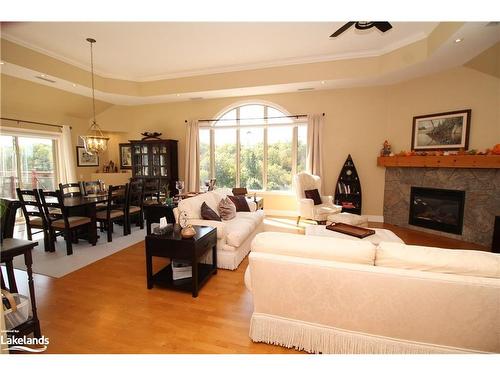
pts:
[106, 308]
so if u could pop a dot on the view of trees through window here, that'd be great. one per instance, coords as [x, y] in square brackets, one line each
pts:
[253, 146]
[27, 163]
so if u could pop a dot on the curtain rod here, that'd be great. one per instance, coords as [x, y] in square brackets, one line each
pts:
[257, 118]
[32, 122]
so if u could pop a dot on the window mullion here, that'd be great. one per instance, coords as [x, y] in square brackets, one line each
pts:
[17, 153]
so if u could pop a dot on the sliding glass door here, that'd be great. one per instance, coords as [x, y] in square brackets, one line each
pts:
[27, 162]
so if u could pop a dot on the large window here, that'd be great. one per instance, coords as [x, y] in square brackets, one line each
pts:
[27, 162]
[254, 146]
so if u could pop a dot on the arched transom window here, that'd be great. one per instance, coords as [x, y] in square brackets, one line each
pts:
[255, 146]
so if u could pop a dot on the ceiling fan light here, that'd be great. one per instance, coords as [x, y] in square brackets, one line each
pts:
[363, 25]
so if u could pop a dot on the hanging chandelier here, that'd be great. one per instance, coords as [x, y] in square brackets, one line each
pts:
[95, 142]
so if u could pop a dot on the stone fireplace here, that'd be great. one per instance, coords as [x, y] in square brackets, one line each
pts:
[481, 191]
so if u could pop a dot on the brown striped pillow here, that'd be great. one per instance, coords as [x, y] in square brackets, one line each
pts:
[227, 209]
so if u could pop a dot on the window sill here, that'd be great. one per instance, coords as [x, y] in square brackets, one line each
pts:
[266, 192]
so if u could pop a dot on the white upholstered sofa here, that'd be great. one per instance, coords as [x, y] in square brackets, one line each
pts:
[330, 295]
[233, 236]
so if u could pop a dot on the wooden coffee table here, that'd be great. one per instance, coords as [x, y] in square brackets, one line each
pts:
[379, 236]
[173, 246]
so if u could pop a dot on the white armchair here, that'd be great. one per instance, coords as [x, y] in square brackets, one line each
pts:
[307, 208]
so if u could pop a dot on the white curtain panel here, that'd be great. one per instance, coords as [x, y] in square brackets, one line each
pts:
[191, 175]
[314, 146]
[67, 165]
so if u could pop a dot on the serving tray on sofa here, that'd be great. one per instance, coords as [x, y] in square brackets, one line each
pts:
[350, 230]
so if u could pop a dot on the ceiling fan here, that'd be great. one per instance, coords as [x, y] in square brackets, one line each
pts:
[363, 25]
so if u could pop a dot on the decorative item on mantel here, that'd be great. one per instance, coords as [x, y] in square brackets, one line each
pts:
[94, 142]
[386, 149]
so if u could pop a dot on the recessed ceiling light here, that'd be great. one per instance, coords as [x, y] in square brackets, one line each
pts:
[1, 63]
[42, 75]
[74, 84]
[458, 40]
[177, 94]
[323, 82]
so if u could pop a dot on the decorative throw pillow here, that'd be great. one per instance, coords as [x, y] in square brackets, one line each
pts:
[240, 202]
[314, 195]
[227, 209]
[208, 214]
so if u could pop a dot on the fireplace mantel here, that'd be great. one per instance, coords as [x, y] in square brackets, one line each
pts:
[448, 161]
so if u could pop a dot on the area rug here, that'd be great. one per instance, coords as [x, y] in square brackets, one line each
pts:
[58, 264]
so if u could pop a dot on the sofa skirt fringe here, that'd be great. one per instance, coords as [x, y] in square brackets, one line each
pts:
[323, 339]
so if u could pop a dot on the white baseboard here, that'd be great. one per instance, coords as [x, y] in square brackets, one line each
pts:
[295, 214]
[375, 218]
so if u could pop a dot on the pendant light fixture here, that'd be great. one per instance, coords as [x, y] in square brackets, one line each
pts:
[95, 142]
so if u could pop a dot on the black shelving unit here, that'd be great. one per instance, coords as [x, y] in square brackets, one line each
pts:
[156, 159]
[348, 189]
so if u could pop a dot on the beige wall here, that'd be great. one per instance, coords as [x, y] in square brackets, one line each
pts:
[455, 89]
[357, 120]
[26, 100]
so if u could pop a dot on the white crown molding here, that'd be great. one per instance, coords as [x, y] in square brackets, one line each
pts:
[233, 68]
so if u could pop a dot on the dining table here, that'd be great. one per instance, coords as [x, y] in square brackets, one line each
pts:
[85, 205]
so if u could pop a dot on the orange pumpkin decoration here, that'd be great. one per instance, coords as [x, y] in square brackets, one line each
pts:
[496, 149]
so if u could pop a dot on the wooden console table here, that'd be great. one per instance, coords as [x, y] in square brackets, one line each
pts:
[10, 248]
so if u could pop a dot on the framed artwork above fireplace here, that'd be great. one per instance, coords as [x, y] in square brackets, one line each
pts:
[441, 131]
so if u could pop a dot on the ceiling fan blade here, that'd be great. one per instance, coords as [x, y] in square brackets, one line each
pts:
[342, 29]
[382, 26]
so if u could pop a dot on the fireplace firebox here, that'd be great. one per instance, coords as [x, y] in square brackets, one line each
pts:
[437, 209]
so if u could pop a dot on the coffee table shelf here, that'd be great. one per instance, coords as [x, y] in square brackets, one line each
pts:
[164, 278]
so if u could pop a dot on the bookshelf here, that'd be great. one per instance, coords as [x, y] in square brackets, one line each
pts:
[348, 188]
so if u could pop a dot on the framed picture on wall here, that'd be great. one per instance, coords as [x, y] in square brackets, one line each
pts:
[84, 159]
[441, 131]
[125, 156]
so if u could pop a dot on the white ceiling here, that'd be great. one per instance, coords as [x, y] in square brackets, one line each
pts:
[143, 51]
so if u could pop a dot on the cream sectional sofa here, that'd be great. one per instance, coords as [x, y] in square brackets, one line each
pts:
[233, 236]
[330, 295]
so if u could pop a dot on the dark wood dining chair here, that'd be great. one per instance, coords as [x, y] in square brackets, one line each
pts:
[34, 215]
[151, 191]
[91, 187]
[116, 210]
[71, 189]
[59, 220]
[135, 204]
[240, 191]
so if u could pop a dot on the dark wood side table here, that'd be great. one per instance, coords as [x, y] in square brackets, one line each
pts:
[173, 246]
[10, 248]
